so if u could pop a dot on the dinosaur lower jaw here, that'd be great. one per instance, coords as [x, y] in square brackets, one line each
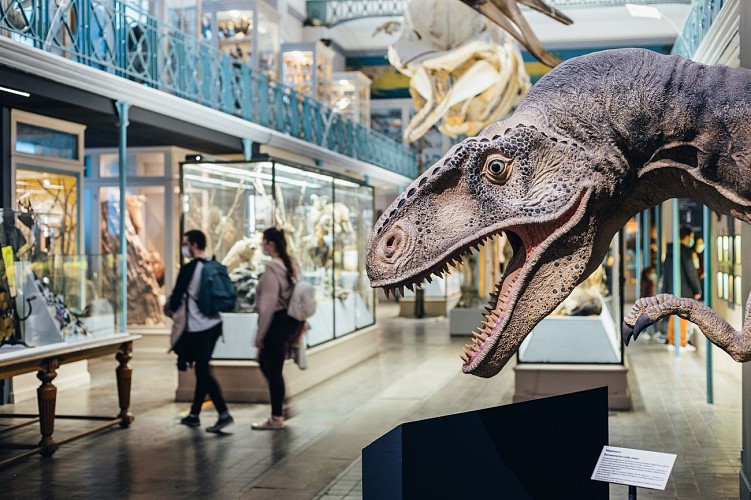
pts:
[502, 301]
[529, 244]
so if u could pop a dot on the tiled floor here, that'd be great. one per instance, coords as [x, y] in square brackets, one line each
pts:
[318, 456]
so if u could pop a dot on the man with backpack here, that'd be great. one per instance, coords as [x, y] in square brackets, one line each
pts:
[201, 283]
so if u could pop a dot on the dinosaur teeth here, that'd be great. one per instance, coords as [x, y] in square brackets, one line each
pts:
[472, 347]
[478, 335]
[464, 358]
[429, 279]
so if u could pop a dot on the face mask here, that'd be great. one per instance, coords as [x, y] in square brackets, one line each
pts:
[186, 251]
[691, 242]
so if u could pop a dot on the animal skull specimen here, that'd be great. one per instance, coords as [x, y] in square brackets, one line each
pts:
[463, 69]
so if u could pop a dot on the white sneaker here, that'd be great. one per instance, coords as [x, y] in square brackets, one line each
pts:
[688, 348]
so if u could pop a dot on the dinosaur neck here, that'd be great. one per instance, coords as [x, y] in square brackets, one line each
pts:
[660, 126]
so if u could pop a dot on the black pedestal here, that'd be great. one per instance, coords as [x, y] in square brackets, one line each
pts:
[546, 448]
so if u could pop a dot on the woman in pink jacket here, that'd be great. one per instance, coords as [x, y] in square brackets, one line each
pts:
[275, 327]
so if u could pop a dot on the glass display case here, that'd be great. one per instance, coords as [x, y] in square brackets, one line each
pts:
[326, 220]
[54, 196]
[729, 268]
[307, 67]
[151, 221]
[52, 299]
[585, 328]
[350, 94]
[46, 167]
[247, 31]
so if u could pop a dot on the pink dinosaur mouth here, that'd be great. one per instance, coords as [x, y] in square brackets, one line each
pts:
[529, 243]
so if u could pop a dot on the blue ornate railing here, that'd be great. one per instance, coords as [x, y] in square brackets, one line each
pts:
[699, 20]
[118, 38]
[333, 12]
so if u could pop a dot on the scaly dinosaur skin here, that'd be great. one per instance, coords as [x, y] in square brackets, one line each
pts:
[597, 140]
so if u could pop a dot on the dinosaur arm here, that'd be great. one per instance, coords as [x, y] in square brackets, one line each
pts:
[649, 310]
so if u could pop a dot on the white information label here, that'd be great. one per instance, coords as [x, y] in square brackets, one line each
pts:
[648, 469]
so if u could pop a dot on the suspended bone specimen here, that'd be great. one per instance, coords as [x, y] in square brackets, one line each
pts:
[463, 69]
[506, 14]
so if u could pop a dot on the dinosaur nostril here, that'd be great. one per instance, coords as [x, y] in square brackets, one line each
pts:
[394, 242]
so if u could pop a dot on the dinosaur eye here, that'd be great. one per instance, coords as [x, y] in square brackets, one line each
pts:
[496, 167]
[497, 170]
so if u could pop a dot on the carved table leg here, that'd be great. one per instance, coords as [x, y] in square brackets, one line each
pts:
[124, 375]
[46, 399]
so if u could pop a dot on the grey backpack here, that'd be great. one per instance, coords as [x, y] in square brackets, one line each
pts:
[302, 302]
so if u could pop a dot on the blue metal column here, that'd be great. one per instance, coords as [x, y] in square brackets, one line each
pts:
[638, 255]
[247, 149]
[122, 112]
[658, 220]
[708, 295]
[676, 276]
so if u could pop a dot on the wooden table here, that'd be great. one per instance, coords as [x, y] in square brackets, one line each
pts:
[45, 361]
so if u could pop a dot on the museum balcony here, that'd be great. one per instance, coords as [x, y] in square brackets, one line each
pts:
[124, 41]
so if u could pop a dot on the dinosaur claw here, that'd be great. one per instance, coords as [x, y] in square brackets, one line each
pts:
[626, 332]
[643, 322]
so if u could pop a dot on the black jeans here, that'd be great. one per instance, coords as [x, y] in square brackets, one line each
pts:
[274, 353]
[200, 346]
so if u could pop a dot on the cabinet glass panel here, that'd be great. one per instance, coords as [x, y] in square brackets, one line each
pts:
[140, 164]
[145, 237]
[306, 212]
[585, 327]
[234, 29]
[36, 140]
[388, 121]
[352, 219]
[228, 202]
[268, 46]
[53, 197]
[297, 70]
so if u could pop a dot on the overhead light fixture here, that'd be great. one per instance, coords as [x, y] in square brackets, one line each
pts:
[644, 11]
[650, 12]
[13, 91]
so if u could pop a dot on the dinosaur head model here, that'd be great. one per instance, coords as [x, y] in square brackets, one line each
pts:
[597, 140]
